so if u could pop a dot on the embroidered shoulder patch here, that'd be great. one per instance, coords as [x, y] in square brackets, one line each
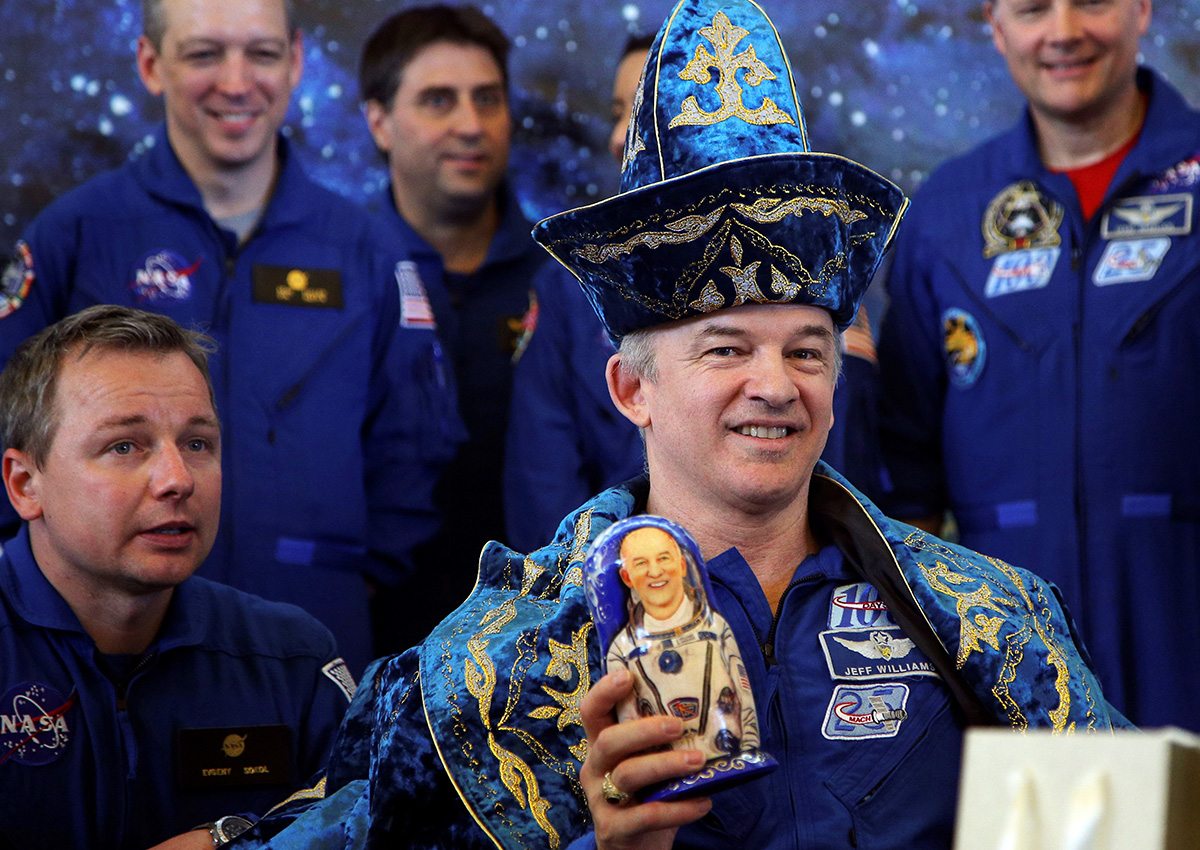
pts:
[339, 674]
[866, 711]
[1130, 260]
[966, 351]
[17, 280]
[34, 729]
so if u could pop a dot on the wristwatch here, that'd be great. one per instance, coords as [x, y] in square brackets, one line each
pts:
[223, 830]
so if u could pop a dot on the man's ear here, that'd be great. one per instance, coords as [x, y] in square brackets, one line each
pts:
[21, 481]
[989, 15]
[147, 66]
[627, 392]
[377, 114]
[297, 50]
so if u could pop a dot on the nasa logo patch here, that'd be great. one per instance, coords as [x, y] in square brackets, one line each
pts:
[163, 276]
[966, 351]
[1182, 175]
[1021, 271]
[17, 280]
[1130, 261]
[33, 724]
[857, 712]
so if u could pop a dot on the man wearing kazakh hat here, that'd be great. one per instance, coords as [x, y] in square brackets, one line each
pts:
[726, 268]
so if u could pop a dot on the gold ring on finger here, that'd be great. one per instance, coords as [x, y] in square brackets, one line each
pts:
[612, 793]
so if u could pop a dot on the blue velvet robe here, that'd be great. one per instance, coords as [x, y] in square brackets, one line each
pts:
[474, 739]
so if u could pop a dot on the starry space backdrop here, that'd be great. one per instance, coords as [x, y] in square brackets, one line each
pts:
[898, 85]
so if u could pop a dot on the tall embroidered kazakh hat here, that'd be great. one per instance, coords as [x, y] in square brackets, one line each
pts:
[722, 203]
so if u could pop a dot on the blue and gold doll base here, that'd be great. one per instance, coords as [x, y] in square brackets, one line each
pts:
[714, 776]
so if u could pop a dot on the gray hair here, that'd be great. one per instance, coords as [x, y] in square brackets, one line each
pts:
[29, 383]
[637, 354]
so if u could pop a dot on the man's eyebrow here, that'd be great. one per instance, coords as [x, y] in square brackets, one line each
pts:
[138, 419]
[122, 422]
[205, 421]
[715, 329]
[818, 331]
[209, 41]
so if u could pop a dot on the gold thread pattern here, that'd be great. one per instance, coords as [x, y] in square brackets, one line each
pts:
[977, 630]
[724, 37]
[775, 210]
[710, 299]
[633, 134]
[680, 232]
[316, 792]
[692, 227]
[565, 663]
[972, 630]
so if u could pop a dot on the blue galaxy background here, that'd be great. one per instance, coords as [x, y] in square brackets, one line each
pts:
[898, 85]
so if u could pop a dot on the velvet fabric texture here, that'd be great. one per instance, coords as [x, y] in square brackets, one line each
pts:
[474, 739]
[722, 203]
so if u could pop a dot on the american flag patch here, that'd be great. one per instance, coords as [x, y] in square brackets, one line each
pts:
[415, 311]
[858, 340]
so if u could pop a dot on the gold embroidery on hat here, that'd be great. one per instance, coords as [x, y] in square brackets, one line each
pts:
[710, 299]
[772, 210]
[724, 37]
[633, 136]
[784, 287]
[693, 290]
[745, 280]
[687, 229]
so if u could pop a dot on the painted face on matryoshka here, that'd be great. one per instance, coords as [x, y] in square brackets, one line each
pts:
[653, 566]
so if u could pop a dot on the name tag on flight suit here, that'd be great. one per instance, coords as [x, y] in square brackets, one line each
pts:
[295, 287]
[234, 757]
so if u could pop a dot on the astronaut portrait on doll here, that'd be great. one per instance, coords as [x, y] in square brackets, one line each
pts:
[680, 652]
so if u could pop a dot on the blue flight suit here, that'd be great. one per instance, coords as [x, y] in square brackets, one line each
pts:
[566, 439]
[337, 410]
[484, 319]
[474, 740]
[1039, 376]
[232, 706]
